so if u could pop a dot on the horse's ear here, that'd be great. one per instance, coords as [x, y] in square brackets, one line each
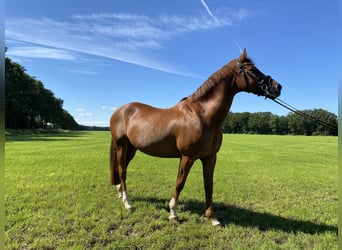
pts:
[243, 56]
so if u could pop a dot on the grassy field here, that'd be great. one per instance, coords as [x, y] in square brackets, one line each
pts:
[270, 192]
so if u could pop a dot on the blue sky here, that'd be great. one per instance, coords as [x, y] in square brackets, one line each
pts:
[99, 55]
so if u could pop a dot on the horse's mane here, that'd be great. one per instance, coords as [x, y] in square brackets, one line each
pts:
[225, 73]
[209, 85]
[203, 91]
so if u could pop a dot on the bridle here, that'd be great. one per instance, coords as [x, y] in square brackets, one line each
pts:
[264, 84]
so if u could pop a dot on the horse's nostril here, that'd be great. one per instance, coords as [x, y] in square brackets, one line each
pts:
[279, 87]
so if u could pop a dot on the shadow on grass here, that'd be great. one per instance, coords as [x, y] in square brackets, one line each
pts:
[229, 214]
[43, 136]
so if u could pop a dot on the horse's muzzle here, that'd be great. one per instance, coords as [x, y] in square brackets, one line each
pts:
[275, 90]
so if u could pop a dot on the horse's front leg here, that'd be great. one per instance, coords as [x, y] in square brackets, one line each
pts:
[183, 171]
[208, 165]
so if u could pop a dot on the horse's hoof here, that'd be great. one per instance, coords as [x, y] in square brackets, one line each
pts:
[173, 218]
[130, 209]
[215, 223]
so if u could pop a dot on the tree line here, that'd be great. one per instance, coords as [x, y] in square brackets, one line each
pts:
[268, 123]
[29, 105]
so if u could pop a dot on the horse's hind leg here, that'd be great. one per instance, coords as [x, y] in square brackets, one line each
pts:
[125, 154]
[129, 156]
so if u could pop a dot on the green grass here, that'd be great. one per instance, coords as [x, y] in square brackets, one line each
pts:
[270, 192]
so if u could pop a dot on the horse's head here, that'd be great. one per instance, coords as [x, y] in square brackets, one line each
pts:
[251, 79]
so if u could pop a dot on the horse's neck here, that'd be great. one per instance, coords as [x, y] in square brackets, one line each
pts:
[216, 108]
[218, 102]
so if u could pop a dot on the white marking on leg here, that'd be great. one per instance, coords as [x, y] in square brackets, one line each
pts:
[126, 201]
[118, 188]
[172, 206]
[215, 222]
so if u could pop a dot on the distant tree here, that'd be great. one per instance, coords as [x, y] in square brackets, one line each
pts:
[268, 123]
[274, 124]
[325, 116]
[295, 124]
[17, 106]
[28, 104]
[301, 126]
[67, 121]
[259, 123]
[283, 125]
[236, 123]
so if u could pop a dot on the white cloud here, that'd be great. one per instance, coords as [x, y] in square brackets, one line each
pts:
[123, 36]
[93, 123]
[85, 117]
[81, 71]
[108, 108]
[119, 16]
[81, 112]
[41, 52]
[242, 14]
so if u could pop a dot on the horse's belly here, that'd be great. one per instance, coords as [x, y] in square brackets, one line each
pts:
[165, 148]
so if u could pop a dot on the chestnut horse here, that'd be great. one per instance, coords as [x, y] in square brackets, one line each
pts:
[190, 130]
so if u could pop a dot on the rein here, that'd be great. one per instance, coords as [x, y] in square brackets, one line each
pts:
[302, 114]
[265, 84]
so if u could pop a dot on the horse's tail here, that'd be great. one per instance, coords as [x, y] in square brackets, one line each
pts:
[114, 171]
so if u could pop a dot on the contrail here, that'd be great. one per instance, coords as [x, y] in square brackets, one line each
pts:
[236, 43]
[217, 21]
[209, 11]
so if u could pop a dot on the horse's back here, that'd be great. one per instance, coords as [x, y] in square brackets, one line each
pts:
[133, 110]
[147, 128]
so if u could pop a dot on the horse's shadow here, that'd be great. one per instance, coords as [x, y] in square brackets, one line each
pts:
[230, 214]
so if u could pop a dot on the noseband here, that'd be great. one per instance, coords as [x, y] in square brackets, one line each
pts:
[264, 84]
